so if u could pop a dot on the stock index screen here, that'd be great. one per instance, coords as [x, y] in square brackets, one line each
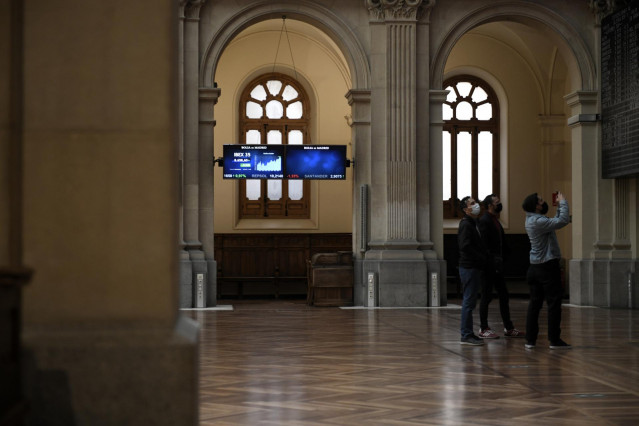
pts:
[253, 162]
[322, 162]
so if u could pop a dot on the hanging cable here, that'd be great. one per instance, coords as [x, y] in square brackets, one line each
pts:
[279, 41]
[290, 49]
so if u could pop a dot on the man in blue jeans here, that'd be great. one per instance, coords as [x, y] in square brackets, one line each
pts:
[472, 258]
[544, 274]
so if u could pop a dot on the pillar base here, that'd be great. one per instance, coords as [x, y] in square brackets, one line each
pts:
[403, 278]
[128, 374]
[192, 263]
[604, 282]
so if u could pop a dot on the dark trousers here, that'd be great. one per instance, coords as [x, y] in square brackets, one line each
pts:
[471, 280]
[494, 279]
[544, 280]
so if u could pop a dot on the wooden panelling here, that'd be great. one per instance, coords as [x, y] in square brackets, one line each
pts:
[292, 262]
[270, 265]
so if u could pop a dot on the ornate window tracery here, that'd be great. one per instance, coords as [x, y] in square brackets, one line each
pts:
[274, 110]
[470, 142]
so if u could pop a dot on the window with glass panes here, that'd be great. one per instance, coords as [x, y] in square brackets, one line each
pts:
[470, 142]
[274, 110]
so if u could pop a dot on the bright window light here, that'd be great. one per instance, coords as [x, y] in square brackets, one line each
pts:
[464, 164]
[484, 164]
[464, 111]
[258, 93]
[274, 137]
[446, 165]
[254, 110]
[253, 137]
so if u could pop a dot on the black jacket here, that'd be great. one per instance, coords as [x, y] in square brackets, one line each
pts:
[472, 252]
[492, 234]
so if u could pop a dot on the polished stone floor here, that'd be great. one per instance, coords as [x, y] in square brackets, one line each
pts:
[285, 363]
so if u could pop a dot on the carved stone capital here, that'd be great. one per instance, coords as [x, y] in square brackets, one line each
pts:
[358, 96]
[210, 94]
[398, 10]
[192, 9]
[182, 6]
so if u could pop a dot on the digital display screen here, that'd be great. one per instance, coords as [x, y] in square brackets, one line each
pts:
[253, 162]
[315, 162]
[327, 162]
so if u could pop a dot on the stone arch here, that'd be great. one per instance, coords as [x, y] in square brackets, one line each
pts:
[583, 81]
[218, 28]
[580, 59]
[302, 10]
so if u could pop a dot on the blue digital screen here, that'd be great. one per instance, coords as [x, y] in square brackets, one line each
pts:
[315, 162]
[326, 162]
[253, 162]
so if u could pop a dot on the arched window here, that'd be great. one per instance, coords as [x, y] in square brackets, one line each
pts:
[470, 142]
[274, 110]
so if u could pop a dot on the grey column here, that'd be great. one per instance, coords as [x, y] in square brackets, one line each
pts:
[584, 185]
[394, 34]
[601, 274]
[434, 253]
[195, 263]
[208, 99]
[360, 122]
[395, 256]
[429, 125]
[186, 271]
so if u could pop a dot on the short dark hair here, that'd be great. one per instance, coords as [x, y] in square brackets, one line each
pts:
[464, 203]
[488, 200]
[530, 203]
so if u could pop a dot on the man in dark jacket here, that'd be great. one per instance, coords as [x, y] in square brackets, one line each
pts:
[472, 257]
[492, 234]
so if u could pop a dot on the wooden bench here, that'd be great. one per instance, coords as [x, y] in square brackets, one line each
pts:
[330, 279]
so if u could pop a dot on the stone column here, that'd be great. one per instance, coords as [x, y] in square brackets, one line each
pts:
[394, 253]
[435, 205]
[186, 271]
[180, 82]
[585, 142]
[360, 122]
[104, 342]
[208, 99]
[600, 271]
[192, 262]
[428, 149]
[584, 185]
[11, 136]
